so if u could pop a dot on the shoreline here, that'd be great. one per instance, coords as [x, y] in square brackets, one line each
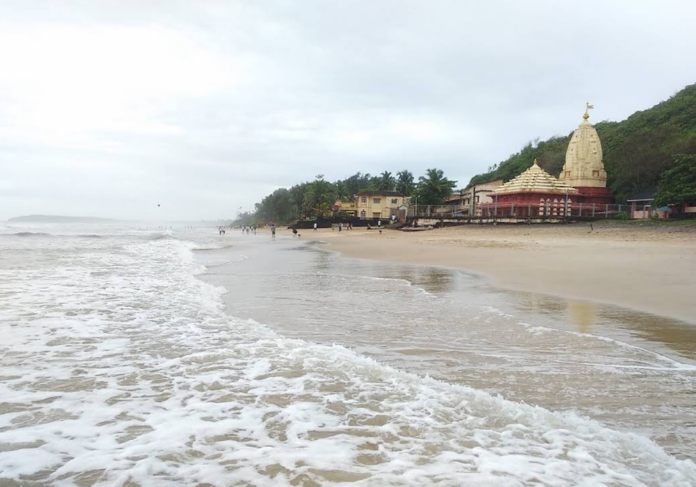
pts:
[645, 269]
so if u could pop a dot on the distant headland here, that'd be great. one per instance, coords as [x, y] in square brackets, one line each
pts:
[59, 219]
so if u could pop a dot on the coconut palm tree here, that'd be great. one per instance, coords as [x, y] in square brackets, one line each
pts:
[434, 188]
[319, 195]
[386, 182]
[405, 183]
[342, 192]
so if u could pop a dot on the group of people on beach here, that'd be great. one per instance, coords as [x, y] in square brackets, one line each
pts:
[340, 226]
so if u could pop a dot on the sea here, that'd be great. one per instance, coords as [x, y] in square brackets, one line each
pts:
[169, 355]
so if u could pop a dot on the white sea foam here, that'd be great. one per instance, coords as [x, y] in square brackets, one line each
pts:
[119, 366]
[675, 365]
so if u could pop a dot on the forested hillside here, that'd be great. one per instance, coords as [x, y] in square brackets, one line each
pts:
[636, 151]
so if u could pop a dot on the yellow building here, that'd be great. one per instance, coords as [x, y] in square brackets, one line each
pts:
[347, 207]
[379, 204]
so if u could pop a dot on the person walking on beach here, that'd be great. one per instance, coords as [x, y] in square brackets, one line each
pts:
[315, 226]
[273, 231]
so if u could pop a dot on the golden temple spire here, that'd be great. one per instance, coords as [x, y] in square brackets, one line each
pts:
[588, 107]
[536, 163]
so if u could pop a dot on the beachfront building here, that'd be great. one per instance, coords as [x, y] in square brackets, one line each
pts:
[475, 197]
[531, 194]
[379, 204]
[467, 201]
[350, 208]
[584, 164]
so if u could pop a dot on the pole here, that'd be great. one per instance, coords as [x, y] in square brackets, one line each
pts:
[495, 211]
[472, 202]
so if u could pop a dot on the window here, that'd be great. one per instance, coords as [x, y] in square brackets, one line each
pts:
[595, 174]
[394, 201]
[376, 201]
[567, 174]
[363, 199]
[362, 215]
[376, 214]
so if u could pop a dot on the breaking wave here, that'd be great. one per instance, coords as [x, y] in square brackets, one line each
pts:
[120, 368]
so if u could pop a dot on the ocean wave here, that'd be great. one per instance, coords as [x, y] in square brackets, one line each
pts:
[207, 247]
[160, 236]
[136, 375]
[26, 234]
[676, 365]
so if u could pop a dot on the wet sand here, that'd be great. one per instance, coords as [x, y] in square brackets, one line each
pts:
[630, 370]
[650, 269]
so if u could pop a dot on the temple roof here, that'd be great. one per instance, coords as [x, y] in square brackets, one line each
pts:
[583, 162]
[535, 180]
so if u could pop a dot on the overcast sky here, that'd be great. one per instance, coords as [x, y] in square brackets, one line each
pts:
[108, 108]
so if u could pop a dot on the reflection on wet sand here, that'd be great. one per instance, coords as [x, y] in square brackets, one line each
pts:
[432, 279]
[587, 317]
[582, 314]
[677, 335]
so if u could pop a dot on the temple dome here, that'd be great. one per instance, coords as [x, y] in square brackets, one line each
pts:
[535, 180]
[584, 166]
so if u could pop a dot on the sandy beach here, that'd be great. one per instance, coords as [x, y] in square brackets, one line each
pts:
[649, 268]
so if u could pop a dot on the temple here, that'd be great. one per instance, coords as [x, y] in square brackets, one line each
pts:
[584, 166]
[535, 193]
[583, 181]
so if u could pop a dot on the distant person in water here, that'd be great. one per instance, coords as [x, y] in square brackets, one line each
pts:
[273, 231]
[294, 232]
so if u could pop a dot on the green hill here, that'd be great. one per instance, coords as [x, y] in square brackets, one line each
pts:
[636, 151]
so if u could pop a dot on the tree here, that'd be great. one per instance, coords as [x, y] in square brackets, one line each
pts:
[434, 188]
[356, 183]
[342, 192]
[678, 185]
[386, 182]
[405, 183]
[319, 196]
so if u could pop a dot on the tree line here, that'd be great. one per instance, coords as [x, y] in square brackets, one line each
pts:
[316, 198]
